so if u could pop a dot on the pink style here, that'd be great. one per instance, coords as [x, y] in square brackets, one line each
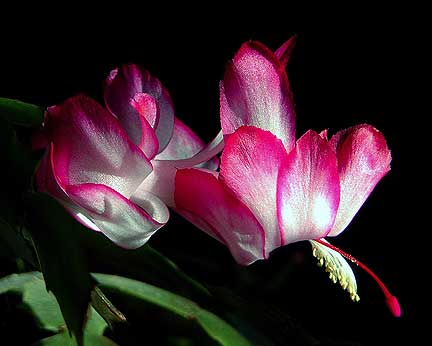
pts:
[273, 190]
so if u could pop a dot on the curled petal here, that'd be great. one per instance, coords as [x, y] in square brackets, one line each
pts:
[363, 159]
[308, 190]
[119, 219]
[255, 92]
[147, 108]
[159, 182]
[249, 167]
[81, 206]
[153, 206]
[206, 202]
[90, 146]
[122, 85]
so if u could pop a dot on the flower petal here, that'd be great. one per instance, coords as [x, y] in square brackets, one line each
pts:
[122, 85]
[46, 182]
[206, 158]
[184, 143]
[308, 190]
[284, 52]
[207, 203]
[153, 206]
[255, 92]
[161, 180]
[147, 108]
[90, 146]
[119, 219]
[363, 159]
[249, 167]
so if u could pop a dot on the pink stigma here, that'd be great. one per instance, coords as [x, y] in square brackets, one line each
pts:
[391, 300]
[394, 306]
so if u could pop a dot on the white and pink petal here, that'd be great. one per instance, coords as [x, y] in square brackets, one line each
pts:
[160, 181]
[209, 204]
[46, 182]
[122, 85]
[363, 159]
[250, 164]
[90, 146]
[119, 219]
[148, 110]
[308, 190]
[255, 92]
[183, 144]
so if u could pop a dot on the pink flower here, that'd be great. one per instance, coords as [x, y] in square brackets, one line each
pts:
[107, 166]
[271, 189]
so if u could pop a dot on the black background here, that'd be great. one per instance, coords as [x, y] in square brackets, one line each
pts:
[346, 69]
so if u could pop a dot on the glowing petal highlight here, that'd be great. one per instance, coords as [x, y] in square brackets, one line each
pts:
[308, 190]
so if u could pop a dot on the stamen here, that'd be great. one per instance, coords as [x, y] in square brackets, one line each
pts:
[338, 269]
[391, 300]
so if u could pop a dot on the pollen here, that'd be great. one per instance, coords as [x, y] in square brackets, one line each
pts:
[337, 268]
[333, 259]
